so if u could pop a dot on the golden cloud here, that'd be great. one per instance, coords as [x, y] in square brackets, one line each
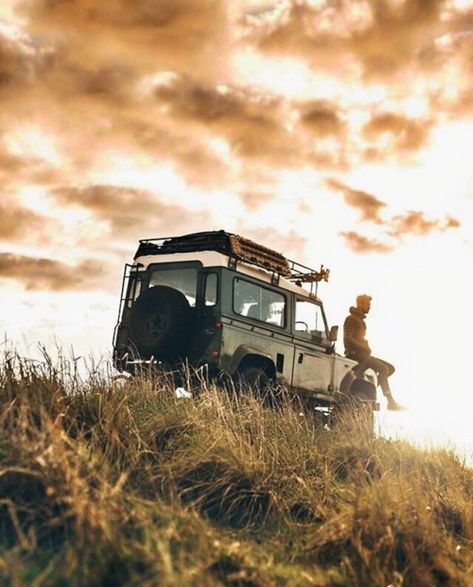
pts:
[47, 274]
[407, 134]
[130, 212]
[251, 121]
[322, 117]
[174, 33]
[382, 36]
[370, 206]
[361, 244]
[412, 223]
[17, 222]
[415, 223]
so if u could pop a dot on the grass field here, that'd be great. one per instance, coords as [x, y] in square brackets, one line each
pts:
[120, 483]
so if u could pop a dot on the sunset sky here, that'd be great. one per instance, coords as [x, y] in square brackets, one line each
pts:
[336, 132]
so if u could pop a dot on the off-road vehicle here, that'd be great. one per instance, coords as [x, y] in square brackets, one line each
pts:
[220, 302]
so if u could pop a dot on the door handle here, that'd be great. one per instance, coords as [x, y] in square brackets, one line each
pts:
[301, 358]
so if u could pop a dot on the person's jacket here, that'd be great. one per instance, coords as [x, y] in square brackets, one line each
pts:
[354, 332]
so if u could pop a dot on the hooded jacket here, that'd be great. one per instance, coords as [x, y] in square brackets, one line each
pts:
[354, 332]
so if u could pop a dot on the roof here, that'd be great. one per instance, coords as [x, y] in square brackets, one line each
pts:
[237, 249]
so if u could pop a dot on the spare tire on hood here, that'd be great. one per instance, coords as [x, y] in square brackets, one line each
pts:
[159, 323]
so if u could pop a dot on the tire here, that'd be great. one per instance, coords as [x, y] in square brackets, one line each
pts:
[159, 323]
[363, 389]
[260, 384]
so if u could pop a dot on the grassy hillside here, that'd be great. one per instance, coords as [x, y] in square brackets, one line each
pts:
[105, 483]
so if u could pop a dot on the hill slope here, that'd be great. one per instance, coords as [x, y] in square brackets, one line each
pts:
[106, 483]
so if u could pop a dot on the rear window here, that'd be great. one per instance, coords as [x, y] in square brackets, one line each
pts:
[259, 303]
[183, 279]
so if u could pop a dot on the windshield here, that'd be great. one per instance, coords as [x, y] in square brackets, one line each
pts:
[310, 318]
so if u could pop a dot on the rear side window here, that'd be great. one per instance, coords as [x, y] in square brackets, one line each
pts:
[183, 279]
[211, 289]
[259, 303]
[134, 288]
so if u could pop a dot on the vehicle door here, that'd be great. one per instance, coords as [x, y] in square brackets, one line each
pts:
[313, 361]
[257, 323]
[206, 330]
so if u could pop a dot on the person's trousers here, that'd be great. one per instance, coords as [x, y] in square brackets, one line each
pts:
[383, 370]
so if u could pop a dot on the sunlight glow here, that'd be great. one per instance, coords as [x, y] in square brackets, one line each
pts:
[31, 141]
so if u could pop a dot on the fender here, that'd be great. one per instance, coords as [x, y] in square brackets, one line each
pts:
[243, 351]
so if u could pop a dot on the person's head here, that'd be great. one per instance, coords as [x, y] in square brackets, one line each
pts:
[363, 302]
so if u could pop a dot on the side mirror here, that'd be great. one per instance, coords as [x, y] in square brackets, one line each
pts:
[333, 334]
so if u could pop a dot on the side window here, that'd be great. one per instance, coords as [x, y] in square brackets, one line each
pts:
[134, 290]
[211, 289]
[253, 301]
[309, 318]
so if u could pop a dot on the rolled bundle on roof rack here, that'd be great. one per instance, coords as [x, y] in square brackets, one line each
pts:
[247, 250]
[233, 245]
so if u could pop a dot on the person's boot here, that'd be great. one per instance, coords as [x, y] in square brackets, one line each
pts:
[393, 405]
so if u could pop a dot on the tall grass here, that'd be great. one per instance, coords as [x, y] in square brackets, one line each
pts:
[106, 482]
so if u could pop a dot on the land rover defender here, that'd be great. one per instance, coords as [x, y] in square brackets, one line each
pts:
[224, 303]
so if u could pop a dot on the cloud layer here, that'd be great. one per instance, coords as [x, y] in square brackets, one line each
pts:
[124, 119]
[48, 274]
[17, 222]
[128, 211]
[393, 229]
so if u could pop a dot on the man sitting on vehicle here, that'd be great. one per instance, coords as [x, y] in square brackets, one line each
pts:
[357, 348]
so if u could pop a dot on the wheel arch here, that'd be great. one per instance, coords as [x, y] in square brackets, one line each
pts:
[246, 356]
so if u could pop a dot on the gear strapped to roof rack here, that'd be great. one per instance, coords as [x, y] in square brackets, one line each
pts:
[313, 277]
[236, 247]
[251, 252]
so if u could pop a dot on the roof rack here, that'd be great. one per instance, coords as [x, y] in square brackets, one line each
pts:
[237, 248]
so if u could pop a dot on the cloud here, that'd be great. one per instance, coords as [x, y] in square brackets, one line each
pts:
[415, 223]
[256, 198]
[9, 164]
[47, 274]
[361, 244]
[21, 57]
[463, 105]
[397, 34]
[188, 34]
[16, 170]
[205, 103]
[406, 134]
[130, 212]
[81, 65]
[255, 124]
[370, 206]
[252, 121]
[395, 228]
[16, 222]
[411, 223]
[322, 117]
[383, 36]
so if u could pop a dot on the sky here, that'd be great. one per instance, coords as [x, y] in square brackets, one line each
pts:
[336, 132]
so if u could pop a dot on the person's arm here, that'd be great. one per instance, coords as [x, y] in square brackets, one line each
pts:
[350, 338]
